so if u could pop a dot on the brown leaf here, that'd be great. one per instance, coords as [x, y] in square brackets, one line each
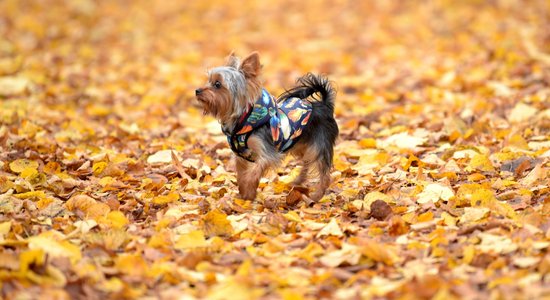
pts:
[380, 210]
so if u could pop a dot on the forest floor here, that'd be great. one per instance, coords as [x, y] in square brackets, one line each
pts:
[114, 185]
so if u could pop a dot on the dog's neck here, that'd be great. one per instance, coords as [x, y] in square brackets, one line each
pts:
[229, 125]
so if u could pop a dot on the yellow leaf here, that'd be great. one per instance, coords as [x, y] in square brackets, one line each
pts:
[112, 285]
[350, 254]
[190, 240]
[233, 289]
[434, 192]
[310, 252]
[107, 180]
[288, 294]
[480, 162]
[29, 172]
[378, 252]
[293, 217]
[331, 228]
[505, 280]
[367, 143]
[11, 86]
[51, 243]
[368, 162]
[448, 219]
[526, 261]
[98, 167]
[114, 238]
[116, 219]
[160, 157]
[52, 168]
[518, 141]
[19, 165]
[5, 228]
[35, 257]
[472, 214]
[468, 253]
[376, 195]
[522, 112]
[403, 140]
[245, 268]
[425, 217]
[406, 163]
[161, 269]
[160, 240]
[165, 199]
[35, 194]
[44, 202]
[131, 264]
[476, 177]
[215, 223]
[496, 243]
[481, 197]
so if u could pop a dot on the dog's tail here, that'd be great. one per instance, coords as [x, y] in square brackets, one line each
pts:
[310, 86]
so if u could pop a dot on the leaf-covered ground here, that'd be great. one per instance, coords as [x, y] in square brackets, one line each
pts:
[440, 184]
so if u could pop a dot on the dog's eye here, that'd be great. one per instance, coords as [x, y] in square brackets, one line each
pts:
[218, 84]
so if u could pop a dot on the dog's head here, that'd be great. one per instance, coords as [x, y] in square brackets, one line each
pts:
[231, 88]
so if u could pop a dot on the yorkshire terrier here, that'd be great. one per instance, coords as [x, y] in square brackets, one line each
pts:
[261, 129]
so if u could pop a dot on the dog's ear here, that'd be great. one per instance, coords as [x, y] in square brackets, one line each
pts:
[251, 65]
[233, 60]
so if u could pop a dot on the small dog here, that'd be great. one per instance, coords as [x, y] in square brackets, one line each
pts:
[260, 129]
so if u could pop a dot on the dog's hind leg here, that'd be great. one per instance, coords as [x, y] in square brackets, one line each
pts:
[323, 165]
[301, 178]
[320, 188]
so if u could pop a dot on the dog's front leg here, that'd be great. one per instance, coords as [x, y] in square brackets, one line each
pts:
[248, 178]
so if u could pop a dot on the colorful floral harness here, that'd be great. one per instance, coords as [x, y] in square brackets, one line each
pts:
[287, 120]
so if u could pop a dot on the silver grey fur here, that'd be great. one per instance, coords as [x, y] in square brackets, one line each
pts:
[235, 82]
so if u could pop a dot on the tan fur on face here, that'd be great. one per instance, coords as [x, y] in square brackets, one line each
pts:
[241, 88]
[216, 101]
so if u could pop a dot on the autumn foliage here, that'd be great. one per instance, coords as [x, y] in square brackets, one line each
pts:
[114, 185]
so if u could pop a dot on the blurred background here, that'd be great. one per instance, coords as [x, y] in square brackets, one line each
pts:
[138, 62]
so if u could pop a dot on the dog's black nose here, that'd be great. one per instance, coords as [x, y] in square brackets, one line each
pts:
[198, 91]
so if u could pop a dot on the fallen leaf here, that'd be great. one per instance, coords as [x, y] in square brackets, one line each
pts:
[480, 162]
[380, 210]
[193, 239]
[434, 192]
[21, 165]
[473, 214]
[51, 243]
[10, 86]
[215, 223]
[526, 261]
[160, 157]
[331, 229]
[403, 140]
[521, 112]
[496, 244]
[87, 206]
[348, 254]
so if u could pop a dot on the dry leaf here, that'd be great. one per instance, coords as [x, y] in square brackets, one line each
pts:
[215, 223]
[434, 192]
[331, 229]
